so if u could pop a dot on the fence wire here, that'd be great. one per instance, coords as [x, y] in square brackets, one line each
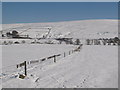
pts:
[14, 71]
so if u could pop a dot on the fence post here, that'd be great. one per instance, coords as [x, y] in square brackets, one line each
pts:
[25, 69]
[55, 58]
[69, 52]
[64, 54]
[17, 66]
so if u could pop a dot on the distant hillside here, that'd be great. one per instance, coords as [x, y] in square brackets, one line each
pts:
[75, 29]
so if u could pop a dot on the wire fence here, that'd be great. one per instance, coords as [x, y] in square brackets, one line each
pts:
[25, 67]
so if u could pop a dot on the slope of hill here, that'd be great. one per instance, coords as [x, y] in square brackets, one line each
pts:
[75, 29]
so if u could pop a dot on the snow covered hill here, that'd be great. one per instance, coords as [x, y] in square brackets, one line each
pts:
[75, 29]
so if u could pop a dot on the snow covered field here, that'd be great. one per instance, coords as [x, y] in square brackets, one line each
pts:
[95, 66]
[92, 67]
[15, 54]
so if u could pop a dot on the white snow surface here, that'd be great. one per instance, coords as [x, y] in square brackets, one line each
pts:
[92, 67]
[15, 54]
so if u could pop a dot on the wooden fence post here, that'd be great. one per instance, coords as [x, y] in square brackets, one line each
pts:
[69, 52]
[64, 54]
[25, 69]
[17, 66]
[55, 58]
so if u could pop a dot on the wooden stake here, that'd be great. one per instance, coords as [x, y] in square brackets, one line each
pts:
[55, 58]
[25, 69]
[64, 54]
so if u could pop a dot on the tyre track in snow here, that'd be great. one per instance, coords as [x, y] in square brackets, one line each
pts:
[64, 75]
[83, 73]
[104, 75]
[59, 76]
[99, 68]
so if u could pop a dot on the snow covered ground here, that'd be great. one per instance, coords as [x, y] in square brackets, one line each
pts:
[92, 67]
[95, 66]
[15, 54]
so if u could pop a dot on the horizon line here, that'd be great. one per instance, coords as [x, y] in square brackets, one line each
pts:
[62, 21]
